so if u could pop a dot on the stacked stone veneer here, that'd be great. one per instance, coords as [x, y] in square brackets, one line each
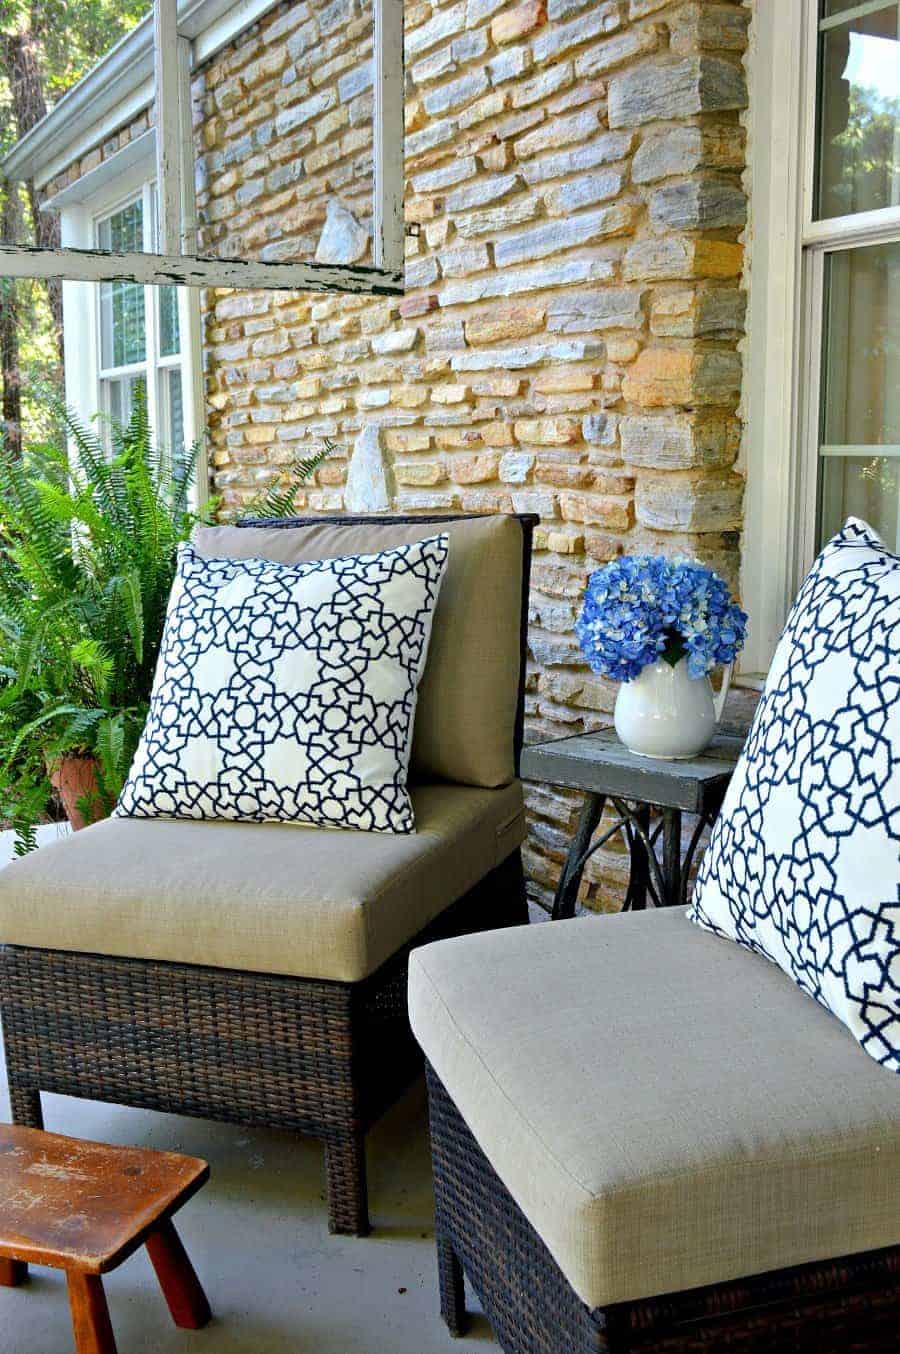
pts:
[568, 344]
[569, 341]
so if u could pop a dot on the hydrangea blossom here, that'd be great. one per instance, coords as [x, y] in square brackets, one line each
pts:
[642, 608]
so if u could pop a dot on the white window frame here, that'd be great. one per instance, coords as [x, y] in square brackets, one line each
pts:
[177, 262]
[787, 250]
[154, 362]
[84, 372]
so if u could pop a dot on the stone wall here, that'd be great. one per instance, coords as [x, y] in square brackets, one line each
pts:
[568, 344]
[569, 341]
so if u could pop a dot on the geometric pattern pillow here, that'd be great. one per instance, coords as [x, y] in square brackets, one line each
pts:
[288, 692]
[803, 864]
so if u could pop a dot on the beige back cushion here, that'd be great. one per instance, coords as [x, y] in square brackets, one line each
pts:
[465, 721]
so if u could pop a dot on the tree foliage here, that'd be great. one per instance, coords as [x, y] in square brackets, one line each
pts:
[46, 46]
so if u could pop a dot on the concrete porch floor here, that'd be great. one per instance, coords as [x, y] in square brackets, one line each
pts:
[257, 1233]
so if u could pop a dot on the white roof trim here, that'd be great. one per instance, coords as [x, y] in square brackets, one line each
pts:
[125, 71]
[143, 147]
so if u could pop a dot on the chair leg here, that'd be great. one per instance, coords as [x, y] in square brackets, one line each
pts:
[177, 1279]
[25, 1103]
[91, 1325]
[348, 1194]
[12, 1272]
[452, 1287]
[519, 915]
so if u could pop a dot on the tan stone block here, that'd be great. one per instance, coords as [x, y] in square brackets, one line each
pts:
[601, 546]
[564, 476]
[419, 472]
[450, 394]
[498, 157]
[485, 500]
[614, 513]
[622, 350]
[676, 257]
[491, 106]
[332, 122]
[475, 469]
[516, 23]
[497, 434]
[548, 432]
[457, 437]
[409, 397]
[506, 386]
[331, 473]
[667, 376]
[563, 381]
[565, 542]
[505, 322]
[406, 439]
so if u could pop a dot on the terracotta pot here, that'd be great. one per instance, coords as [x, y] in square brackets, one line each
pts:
[74, 779]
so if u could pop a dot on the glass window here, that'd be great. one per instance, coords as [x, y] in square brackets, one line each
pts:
[858, 166]
[122, 321]
[860, 418]
[169, 341]
[139, 333]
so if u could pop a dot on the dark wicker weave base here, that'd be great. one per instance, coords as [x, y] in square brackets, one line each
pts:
[321, 1058]
[847, 1306]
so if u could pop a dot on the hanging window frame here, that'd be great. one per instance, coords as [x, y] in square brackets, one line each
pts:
[177, 261]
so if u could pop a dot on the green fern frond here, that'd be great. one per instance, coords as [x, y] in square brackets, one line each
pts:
[278, 499]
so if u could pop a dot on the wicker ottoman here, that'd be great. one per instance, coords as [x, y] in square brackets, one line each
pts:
[647, 1139]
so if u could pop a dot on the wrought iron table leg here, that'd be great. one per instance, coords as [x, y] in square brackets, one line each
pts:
[570, 879]
[671, 856]
[636, 897]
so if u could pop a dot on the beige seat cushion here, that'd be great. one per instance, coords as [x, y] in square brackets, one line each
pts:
[465, 720]
[667, 1109]
[261, 897]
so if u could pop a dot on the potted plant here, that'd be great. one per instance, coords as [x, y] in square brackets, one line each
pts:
[660, 627]
[88, 543]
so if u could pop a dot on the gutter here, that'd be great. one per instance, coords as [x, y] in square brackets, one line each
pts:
[127, 65]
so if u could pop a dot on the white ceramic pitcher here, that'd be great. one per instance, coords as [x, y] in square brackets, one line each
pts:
[666, 713]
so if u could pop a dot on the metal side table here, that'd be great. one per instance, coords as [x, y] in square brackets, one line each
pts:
[604, 769]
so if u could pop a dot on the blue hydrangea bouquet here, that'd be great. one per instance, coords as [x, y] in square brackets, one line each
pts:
[660, 627]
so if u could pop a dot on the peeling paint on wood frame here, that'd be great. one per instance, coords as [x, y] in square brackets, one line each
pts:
[97, 265]
[177, 211]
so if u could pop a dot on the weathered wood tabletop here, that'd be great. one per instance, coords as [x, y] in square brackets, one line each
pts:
[600, 764]
[84, 1207]
[73, 1204]
[605, 770]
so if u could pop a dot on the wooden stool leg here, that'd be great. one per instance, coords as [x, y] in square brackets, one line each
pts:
[90, 1315]
[180, 1285]
[12, 1272]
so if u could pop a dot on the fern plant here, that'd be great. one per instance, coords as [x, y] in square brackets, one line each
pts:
[88, 544]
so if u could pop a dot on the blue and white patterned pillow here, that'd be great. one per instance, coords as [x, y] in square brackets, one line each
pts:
[804, 861]
[288, 692]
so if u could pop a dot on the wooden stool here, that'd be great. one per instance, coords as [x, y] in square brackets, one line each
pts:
[84, 1207]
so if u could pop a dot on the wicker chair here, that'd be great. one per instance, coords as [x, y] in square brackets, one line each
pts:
[679, 1153]
[256, 973]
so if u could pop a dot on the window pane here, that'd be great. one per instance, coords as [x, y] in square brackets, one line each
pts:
[118, 398]
[858, 167]
[173, 432]
[169, 341]
[860, 423]
[122, 319]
